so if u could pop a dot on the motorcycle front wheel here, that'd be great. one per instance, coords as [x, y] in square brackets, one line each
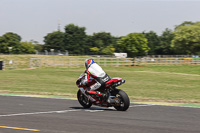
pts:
[83, 100]
[124, 100]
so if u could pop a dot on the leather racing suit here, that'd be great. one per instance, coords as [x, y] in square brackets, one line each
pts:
[96, 72]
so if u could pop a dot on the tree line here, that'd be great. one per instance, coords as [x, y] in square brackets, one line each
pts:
[183, 39]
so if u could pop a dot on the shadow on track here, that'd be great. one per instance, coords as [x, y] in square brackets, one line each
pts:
[94, 109]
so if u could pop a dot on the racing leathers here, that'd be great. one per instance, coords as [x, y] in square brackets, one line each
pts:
[96, 72]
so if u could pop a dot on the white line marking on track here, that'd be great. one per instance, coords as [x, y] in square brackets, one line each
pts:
[93, 111]
[141, 105]
[39, 97]
[36, 113]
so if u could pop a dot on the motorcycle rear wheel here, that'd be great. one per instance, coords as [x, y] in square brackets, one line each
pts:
[83, 100]
[124, 100]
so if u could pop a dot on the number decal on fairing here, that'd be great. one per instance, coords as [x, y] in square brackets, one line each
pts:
[105, 79]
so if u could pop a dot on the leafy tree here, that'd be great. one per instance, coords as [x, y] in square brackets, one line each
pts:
[89, 45]
[108, 50]
[39, 47]
[165, 43]
[105, 42]
[75, 39]
[3, 45]
[185, 23]
[34, 42]
[134, 44]
[11, 43]
[55, 40]
[103, 39]
[187, 39]
[10, 39]
[115, 45]
[27, 47]
[153, 42]
[94, 50]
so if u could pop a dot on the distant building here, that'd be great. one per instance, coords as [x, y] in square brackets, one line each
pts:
[120, 55]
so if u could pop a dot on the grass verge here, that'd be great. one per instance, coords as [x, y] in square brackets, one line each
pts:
[164, 84]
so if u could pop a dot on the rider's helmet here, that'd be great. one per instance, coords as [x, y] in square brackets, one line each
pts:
[88, 63]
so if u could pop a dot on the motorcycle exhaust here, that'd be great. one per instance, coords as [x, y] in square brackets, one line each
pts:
[113, 100]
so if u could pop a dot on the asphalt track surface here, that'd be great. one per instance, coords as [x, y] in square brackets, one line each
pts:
[46, 115]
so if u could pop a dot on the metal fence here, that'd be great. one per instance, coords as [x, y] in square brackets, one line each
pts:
[75, 62]
[9, 64]
[71, 62]
[157, 61]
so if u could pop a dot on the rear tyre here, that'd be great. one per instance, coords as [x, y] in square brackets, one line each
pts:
[83, 100]
[124, 101]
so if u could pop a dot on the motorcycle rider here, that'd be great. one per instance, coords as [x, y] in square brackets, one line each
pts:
[93, 70]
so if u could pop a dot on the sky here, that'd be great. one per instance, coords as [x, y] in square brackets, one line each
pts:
[34, 19]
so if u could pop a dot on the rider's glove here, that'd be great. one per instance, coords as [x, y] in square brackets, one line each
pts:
[80, 83]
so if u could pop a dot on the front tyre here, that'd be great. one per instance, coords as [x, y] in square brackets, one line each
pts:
[124, 101]
[83, 100]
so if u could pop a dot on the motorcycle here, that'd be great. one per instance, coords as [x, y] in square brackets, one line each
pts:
[117, 98]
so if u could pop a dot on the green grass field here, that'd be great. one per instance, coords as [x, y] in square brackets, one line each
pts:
[158, 83]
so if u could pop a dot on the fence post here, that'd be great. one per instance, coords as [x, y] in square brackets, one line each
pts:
[1, 65]
[35, 63]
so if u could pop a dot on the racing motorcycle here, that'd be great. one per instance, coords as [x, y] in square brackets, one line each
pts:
[117, 98]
